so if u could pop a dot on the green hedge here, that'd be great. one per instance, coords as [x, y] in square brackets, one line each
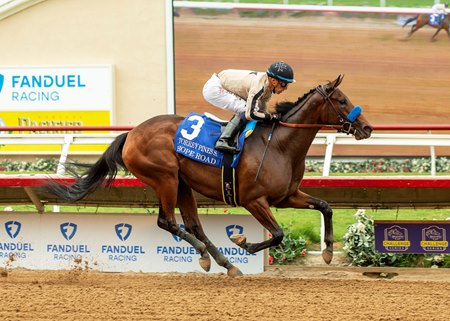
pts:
[383, 165]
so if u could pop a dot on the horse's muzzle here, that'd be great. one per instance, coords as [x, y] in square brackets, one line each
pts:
[363, 131]
[360, 130]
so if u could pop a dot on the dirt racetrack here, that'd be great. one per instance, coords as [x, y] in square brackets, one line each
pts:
[308, 293]
[394, 80]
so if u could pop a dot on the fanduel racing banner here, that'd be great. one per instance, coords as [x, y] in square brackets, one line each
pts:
[56, 88]
[56, 96]
[119, 242]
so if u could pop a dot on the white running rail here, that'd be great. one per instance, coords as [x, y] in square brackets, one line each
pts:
[65, 141]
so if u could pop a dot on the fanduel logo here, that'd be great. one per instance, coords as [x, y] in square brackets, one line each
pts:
[2, 78]
[177, 238]
[68, 230]
[123, 231]
[234, 229]
[13, 228]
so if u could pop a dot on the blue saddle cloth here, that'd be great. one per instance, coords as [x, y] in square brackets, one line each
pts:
[197, 135]
[434, 19]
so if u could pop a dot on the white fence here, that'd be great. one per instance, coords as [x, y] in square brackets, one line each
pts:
[383, 3]
[299, 8]
[413, 140]
[328, 139]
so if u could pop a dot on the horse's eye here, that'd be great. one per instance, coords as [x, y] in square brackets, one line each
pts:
[343, 101]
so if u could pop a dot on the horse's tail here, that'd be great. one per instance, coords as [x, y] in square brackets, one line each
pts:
[410, 20]
[104, 169]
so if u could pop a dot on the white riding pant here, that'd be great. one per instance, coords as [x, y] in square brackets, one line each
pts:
[215, 94]
[437, 12]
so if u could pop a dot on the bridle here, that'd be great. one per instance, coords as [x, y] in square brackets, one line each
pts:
[344, 127]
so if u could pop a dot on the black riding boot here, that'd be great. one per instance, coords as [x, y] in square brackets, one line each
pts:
[225, 142]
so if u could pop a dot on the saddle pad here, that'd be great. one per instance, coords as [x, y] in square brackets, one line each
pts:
[434, 20]
[249, 128]
[196, 137]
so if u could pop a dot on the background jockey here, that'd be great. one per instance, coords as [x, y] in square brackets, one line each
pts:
[246, 93]
[440, 11]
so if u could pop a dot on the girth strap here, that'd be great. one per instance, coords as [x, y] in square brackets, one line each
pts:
[229, 181]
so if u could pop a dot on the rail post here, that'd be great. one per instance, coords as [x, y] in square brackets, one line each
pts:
[331, 139]
[60, 170]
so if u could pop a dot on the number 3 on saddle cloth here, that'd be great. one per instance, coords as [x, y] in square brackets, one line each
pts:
[436, 19]
[196, 137]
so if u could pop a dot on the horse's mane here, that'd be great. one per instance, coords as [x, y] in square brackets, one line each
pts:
[285, 106]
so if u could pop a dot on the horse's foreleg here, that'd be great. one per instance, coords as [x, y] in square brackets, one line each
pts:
[188, 210]
[303, 200]
[261, 211]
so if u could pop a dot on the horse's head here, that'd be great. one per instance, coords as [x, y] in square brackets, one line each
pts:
[326, 105]
[338, 110]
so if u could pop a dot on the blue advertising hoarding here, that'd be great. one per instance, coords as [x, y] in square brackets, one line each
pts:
[421, 237]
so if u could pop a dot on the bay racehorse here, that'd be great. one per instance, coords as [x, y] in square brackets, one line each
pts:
[147, 151]
[423, 20]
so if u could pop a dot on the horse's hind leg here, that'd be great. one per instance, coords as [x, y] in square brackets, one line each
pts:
[186, 207]
[188, 210]
[435, 34]
[413, 29]
[167, 195]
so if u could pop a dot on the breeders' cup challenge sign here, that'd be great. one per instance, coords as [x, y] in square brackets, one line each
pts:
[56, 96]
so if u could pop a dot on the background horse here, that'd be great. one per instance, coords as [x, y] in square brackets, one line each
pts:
[147, 151]
[423, 20]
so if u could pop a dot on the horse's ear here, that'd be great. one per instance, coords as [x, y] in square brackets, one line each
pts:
[338, 81]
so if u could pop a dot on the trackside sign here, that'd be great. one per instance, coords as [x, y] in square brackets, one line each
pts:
[56, 88]
[420, 237]
[56, 96]
[119, 242]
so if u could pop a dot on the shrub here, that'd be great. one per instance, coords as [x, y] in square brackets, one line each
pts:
[40, 165]
[414, 165]
[290, 248]
[359, 244]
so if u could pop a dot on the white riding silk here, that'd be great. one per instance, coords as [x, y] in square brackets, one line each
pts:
[215, 94]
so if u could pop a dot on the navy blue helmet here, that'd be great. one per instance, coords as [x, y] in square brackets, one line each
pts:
[281, 71]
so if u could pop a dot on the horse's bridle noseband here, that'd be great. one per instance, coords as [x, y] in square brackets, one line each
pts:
[346, 124]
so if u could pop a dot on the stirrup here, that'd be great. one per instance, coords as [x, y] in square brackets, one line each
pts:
[226, 148]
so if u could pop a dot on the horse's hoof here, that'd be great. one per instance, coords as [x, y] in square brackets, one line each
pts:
[327, 256]
[205, 263]
[238, 239]
[234, 271]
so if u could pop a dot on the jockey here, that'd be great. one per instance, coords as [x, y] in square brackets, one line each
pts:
[246, 93]
[439, 10]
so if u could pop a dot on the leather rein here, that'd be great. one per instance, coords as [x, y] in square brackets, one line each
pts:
[346, 126]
